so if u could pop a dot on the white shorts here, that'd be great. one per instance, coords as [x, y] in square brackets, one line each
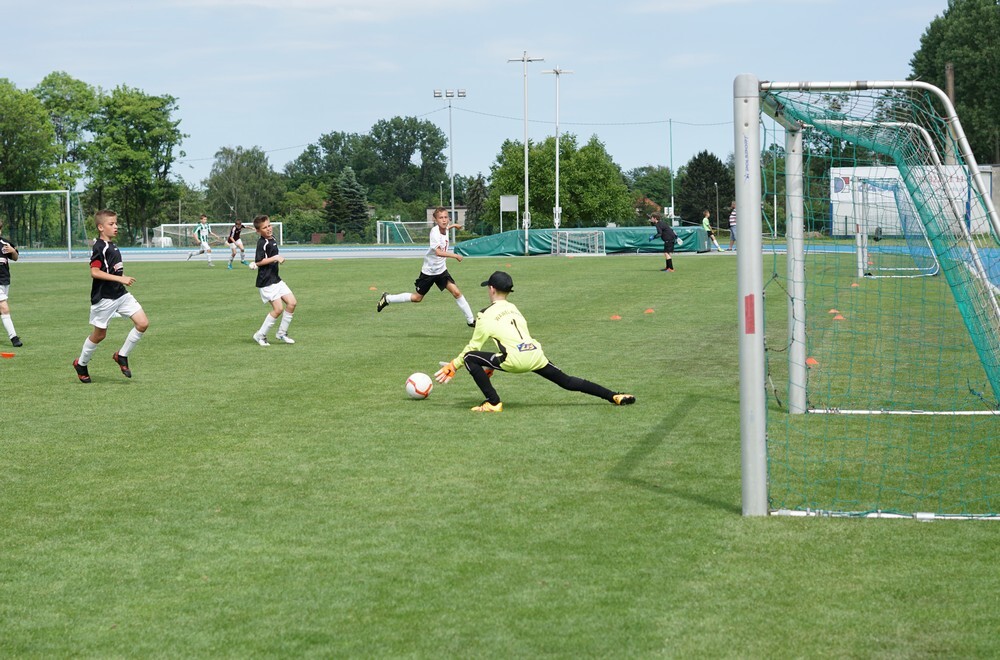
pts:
[104, 311]
[4, 288]
[205, 247]
[237, 244]
[274, 291]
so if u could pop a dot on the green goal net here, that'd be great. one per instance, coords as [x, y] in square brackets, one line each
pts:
[882, 313]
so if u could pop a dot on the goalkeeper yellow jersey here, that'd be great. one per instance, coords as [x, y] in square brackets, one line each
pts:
[502, 322]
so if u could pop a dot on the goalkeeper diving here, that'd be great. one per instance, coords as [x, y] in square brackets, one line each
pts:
[517, 352]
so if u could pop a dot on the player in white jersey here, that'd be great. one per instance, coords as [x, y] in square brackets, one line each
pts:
[202, 233]
[434, 271]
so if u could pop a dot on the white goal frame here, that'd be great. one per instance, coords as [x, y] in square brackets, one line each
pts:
[747, 90]
[69, 213]
[385, 230]
[578, 242]
[164, 235]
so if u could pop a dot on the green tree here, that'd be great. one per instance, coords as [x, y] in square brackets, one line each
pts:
[27, 157]
[355, 221]
[652, 182]
[966, 36]
[592, 190]
[243, 185]
[335, 210]
[129, 159]
[306, 197]
[696, 191]
[71, 105]
[475, 202]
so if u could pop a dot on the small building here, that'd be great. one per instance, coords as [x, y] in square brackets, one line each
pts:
[459, 217]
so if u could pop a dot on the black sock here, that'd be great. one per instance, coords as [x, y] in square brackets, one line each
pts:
[670, 263]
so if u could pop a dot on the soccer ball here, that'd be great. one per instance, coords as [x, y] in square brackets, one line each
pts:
[419, 386]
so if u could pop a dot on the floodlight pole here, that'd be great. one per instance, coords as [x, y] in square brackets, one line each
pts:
[557, 210]
[527, 213]
[716, 207]
[450, 94]
[671, 124]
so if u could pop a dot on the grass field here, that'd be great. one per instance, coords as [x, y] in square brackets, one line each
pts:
[232, 500]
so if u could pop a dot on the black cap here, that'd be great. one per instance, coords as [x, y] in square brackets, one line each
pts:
[500, 281]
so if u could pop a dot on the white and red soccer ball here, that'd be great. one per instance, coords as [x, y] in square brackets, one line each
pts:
[419, 386]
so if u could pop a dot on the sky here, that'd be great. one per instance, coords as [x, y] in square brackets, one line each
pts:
[651, 79]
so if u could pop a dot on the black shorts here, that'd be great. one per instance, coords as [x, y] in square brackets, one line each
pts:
[668, 246]
[711, 234]
[424, 282]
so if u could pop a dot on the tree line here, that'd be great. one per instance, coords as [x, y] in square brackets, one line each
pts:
[121, 148]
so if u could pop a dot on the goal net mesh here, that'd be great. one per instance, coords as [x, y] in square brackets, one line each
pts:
[577, 242]
[903, 373]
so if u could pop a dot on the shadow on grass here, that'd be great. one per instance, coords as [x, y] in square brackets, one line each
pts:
[625, 468]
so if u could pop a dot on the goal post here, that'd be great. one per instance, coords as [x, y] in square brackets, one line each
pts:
[891, 345]
[389, 232]
[578, 242]
[181, 235]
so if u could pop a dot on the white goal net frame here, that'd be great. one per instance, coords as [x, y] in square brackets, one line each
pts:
[181, 235]
[395, 232]
[578, 242]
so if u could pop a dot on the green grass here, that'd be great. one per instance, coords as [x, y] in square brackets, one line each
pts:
[236, 501]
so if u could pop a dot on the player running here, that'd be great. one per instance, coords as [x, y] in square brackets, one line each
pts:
[234, 242]
[434, 271]
[517, 352]
[109, 298]
[202, 233]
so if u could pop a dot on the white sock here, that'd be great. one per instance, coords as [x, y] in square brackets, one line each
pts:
[463, 305]
[267, 325]
[286, 320]
[88, 351]
[9, 325]
[209, 257]
[133, 338]
[399, 297]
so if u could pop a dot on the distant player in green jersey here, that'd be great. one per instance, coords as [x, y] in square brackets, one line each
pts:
[707, 224]
[516, 352]
[202, 232]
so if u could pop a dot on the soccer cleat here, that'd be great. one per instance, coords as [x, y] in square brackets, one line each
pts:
[486, 406]
[665, 270]
[81, 372]
[285, 338]
[244, 262]
[230, 266]
[16, 342]
[261, 339]
[211, 265]
[472, 324]
[670, 270]
[122, 363]
[382, 303]
[190, 254]
[622, 399]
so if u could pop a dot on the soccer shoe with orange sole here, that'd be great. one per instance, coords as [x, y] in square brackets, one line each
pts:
[122, 363]
[622, 399]
[81, 372]
[486, 406]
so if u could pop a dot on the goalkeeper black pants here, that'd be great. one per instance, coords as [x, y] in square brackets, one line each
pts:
[477, 362]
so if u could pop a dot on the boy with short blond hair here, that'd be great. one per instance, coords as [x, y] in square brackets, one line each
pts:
[434, 271]
[108, 297]
[8, 252]
[273, 290]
